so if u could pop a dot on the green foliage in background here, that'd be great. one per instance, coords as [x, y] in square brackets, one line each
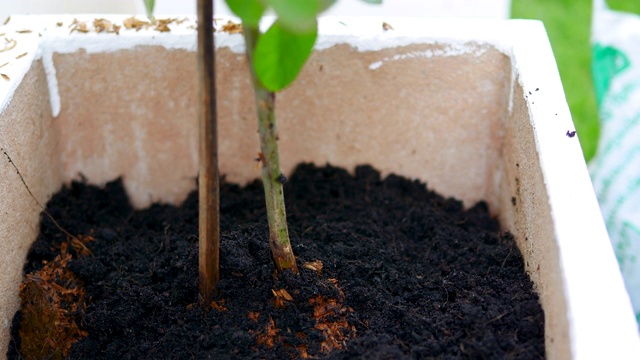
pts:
[631, 6]
[568, 23]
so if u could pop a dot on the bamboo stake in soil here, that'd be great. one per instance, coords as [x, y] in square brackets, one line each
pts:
[272, 177]
[208, 178]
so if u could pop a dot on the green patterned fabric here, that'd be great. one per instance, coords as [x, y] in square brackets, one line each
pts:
[607, 63]
[615, 170]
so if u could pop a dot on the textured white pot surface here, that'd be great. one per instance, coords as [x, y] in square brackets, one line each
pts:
[473, 107]
[494, 9]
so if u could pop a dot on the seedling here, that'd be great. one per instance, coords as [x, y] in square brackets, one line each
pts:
[275, 59]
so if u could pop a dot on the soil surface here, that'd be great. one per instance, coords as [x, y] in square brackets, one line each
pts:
[388, 270]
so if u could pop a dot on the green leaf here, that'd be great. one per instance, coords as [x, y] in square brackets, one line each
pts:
[149, 4]
[249, 11]
[280, 54]
[297, 15]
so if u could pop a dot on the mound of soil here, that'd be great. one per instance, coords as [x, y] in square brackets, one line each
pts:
[388, 269]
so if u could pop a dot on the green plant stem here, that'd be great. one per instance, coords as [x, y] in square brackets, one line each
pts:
[208, 178]
[272, 177]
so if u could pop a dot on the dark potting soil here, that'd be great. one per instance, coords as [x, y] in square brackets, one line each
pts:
[388, 270]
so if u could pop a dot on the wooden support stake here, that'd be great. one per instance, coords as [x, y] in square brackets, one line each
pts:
[208, 180]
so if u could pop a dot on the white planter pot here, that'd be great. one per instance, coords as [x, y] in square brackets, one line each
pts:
[476, 108]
